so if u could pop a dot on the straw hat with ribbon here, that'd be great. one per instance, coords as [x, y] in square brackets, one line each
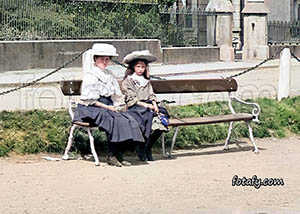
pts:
[139, 55]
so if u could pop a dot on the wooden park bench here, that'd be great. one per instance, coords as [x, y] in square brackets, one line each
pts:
[72, 88]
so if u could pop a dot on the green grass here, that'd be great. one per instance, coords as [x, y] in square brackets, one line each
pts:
[38, 131]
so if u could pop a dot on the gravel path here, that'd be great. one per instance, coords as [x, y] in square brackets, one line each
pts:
[194, 181]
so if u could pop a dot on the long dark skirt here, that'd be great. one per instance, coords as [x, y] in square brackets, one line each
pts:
[144, 117]
[119, 126]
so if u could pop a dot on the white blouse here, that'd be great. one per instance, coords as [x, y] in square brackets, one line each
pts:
[98, 82]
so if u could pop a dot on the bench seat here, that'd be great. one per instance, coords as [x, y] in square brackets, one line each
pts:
[210, 119]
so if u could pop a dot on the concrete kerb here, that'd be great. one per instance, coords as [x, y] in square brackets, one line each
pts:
[219, 71]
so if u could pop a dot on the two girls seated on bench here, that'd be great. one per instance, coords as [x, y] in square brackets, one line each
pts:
[98, 109]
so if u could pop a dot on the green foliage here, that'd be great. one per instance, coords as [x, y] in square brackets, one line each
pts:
[66, 19]
[168, 3]
[47, 131]
[42, 131]
[277, 119]
[33, 131]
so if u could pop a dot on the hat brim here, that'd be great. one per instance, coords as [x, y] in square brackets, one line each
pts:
[105, 55]
[148, 58]
[94, 53]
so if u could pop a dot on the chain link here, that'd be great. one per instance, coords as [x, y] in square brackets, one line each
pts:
[43, 77]
[58, 69]
[151, 76]
[121, 64]
[256, 66]
[293, 55]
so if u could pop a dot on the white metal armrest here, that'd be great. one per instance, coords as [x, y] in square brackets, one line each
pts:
[255, 111]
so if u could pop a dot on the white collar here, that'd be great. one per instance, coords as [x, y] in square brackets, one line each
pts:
[103, 75]
[140, 80]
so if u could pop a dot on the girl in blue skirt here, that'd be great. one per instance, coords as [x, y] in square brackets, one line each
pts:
[142, 102]
[97, 108]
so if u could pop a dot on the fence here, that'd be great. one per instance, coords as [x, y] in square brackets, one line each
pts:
[283, 32]
[62, 19]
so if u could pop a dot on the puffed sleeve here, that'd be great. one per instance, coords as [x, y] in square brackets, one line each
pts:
[129, 92]
[117, 87]
[152, 95]
[89, 89]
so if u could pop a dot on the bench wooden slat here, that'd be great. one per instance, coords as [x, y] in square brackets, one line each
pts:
[198, 121]
[73, 87]
[193, 85]
[84, 124]
[210, 119]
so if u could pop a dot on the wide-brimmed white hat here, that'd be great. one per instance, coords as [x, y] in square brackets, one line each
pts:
[103, 49]
[143, 55]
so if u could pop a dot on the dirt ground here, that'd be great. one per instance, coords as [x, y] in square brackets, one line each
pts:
[194, 181]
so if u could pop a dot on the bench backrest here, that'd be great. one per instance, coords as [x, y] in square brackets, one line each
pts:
[73, 87]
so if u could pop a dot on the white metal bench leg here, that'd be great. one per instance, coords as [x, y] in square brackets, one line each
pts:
[252, 138]
[70, 140]
[163, 145]
[173, 141]
[172, 146]
[97, 163]
[228, 136]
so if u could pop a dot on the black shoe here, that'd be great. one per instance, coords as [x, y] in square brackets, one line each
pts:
[140, 150]
[121, 160]
[113, 161]
[149, 154]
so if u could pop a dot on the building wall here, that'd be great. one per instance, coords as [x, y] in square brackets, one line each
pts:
[280, 10]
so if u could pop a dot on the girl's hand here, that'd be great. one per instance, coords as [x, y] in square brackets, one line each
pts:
[149, 106]
[101, 105]
[111, 108]
[155, 107]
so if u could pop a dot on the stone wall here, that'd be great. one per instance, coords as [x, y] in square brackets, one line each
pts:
[52, 54]
[190, 55]
[23, 55]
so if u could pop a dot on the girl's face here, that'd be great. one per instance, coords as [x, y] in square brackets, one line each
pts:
[139, 68]
[102, 61]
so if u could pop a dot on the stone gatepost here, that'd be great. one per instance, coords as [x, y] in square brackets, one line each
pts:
[220, 26]
[255, 30]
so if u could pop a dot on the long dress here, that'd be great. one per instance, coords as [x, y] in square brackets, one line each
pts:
[135, 91]
[99, 85]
